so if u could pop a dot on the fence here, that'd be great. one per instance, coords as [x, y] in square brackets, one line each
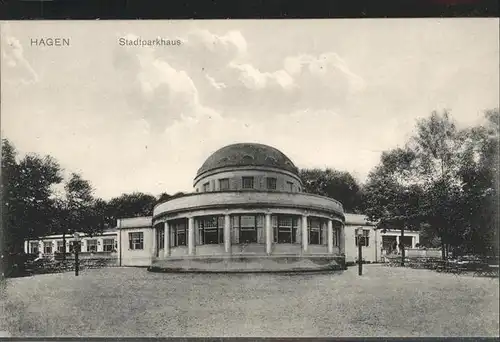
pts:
[477, 267]
[42, 266]
[423, 253]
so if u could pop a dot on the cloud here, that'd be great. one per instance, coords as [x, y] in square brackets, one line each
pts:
[254, 79]
[303, 82]
[212, 73]
[216, 50]
[161, 93]
[13, 55]
[325, 65]
[214, 83]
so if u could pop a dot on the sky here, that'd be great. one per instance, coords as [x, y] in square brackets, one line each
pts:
[327, 93]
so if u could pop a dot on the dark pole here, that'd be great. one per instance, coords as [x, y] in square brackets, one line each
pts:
[402, 246]
[401, 240]
[360, 254]
[77, 247]
[360, 258]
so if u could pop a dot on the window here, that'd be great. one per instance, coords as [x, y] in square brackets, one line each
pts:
[247, 183]
[365, 238]
[92, 245]
[248, 228]
[178, 233]
[314, 226]
[136, 240]
[160, 238]
[206, 187]
[108, 245]
[34, 246]
[224, 184]
[60, 247]
[271, 183]
[211, 230]
[47, 247]
[285, 228]
[289, 186]
[337, 226]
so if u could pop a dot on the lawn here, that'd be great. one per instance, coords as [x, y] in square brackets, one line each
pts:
[133, 302]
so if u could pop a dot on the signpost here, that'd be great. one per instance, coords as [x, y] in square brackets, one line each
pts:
[76, 248]
[359, 233]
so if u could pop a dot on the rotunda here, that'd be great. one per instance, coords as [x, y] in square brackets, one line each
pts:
[248, 204]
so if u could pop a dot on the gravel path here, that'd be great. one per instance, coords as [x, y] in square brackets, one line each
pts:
[133, 302]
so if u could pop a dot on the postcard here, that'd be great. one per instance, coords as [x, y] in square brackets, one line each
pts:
[250, 178]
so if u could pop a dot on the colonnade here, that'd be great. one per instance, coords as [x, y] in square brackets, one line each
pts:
[269, 238]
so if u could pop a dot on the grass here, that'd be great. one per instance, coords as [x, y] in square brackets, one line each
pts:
[133, 302]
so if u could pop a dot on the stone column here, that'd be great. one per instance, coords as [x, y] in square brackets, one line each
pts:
[227, 233]
[154, 246]
[269, 234]
[26, 247]
[330, 236]
[305, 236]
[166, 240]
[191, 236]
[342, 238]
[398, 249]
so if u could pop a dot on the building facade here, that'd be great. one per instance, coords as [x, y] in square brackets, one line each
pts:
[103, 245]
[116, 243]
[377, 244]
[248, 201]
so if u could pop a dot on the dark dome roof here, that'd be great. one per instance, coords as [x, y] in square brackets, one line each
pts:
[248, 154]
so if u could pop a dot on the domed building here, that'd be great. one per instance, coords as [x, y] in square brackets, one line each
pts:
[248, 201]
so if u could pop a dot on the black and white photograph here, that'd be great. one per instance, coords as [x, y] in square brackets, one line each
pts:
[250, 178]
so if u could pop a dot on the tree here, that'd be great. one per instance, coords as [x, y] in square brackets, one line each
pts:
[26, 195]
[97, 216]
[164, 197]
[439, 168]
[178, 194]
[80, 210]
[37, 175]
[130, 205]
[26, 199]
[11, 234]
[339, 185]
[389, 198]
[479, 176]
